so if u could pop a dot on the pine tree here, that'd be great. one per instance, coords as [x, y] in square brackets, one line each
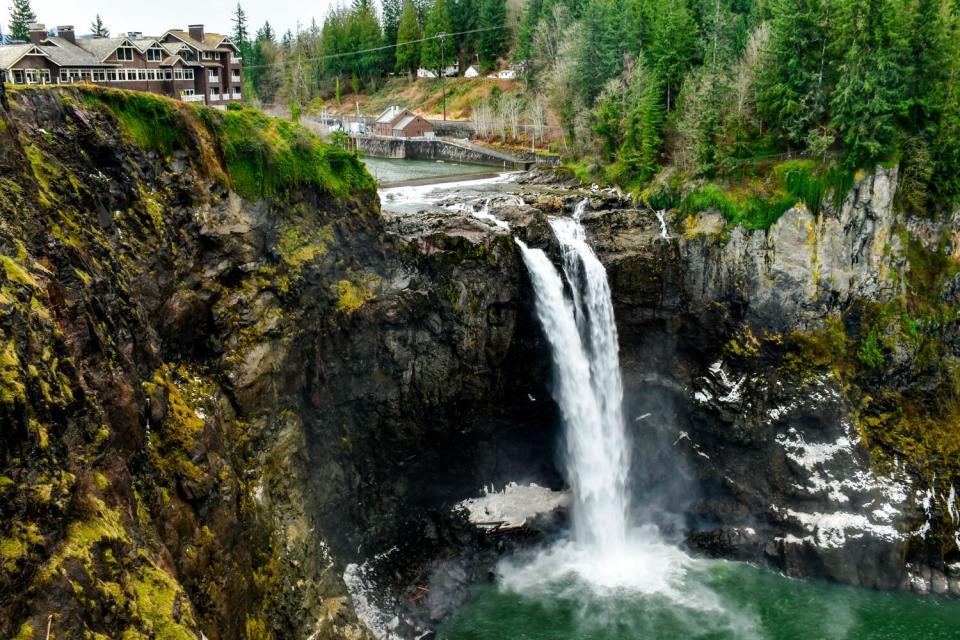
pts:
[673, 45]
[392, 10]
[644, 121]
[21, 15]
[493, 42]
[436, 55]
[794, 86]
[408, 32]
[871, 90]
[98, 29]
[240, 33]
[601, 48]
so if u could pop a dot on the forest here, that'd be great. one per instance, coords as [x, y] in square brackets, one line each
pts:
[713, 89]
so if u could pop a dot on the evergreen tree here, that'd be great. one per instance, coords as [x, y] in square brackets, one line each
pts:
[794, 86]
[392, 9]
[644, 121]
[240, 33]
[436, 55]
[492, 43]
[408, 32]
[21, 15]
[871, 90]
[528, 26]
[600, 50]
[673, 44]
[946, 140]
[98, 29]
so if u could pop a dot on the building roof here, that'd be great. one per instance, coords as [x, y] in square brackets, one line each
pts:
[403, 123]
[145, 43]
[10, 54]
[211, 41]
[390, 115]
[66, 54]
[101, 48]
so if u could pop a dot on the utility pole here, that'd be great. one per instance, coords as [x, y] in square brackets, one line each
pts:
[443, 73]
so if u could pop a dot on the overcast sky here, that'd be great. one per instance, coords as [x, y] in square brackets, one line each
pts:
[155, 17]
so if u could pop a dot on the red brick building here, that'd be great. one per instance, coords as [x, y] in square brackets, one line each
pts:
[188, 65]
[402, 123]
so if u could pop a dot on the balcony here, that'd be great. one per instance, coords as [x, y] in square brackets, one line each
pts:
[214, 79]
[237, 95]
[194, 98]
[235, 77]
[215, 97]
[235, 59]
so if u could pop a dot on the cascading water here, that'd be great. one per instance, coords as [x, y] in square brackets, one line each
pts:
[604, 551]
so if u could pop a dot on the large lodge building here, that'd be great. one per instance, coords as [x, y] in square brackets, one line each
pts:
[188, 65]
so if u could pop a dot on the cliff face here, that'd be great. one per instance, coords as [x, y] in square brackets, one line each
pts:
[217, 362]
[809, 375]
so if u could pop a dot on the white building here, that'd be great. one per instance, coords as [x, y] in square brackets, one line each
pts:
[425, 73]
[471, 72]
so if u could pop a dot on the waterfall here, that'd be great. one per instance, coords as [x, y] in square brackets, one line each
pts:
[582, 334]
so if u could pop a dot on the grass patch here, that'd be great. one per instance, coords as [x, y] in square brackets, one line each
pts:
[268, 157]
[759, 206]
[151, 122]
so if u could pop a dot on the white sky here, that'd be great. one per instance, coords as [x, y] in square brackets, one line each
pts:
[153, 18]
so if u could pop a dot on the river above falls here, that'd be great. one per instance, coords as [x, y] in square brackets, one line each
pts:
[388, 171]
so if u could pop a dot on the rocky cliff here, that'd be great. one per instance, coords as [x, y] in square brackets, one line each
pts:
[222, 377]
[808, 374]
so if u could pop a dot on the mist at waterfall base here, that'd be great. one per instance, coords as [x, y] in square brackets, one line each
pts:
[614, 576]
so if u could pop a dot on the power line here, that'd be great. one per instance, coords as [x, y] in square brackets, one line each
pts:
[383, 48]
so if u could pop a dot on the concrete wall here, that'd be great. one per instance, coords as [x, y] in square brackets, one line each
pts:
[435, 150]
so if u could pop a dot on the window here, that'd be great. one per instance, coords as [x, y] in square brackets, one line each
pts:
[151, 74]
[236, 75]
[64, 75]
[188, 74]
[99, 75]
[141, 74]
[32, 76]
[214, 76]
[74, 75]
[178, 74]
[154, 54]
[18, 77]
[112, 75]
[207, 55]
[168, 75]
[187, 92]
[125, 53]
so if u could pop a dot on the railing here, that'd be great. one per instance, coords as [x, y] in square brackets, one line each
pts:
[214, 79]
[237, 95]
[235, 77]
[215, 97]
[235, 59]
[193, 98]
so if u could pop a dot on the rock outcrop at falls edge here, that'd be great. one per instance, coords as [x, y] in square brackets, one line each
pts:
[222, 377]
[811, 375]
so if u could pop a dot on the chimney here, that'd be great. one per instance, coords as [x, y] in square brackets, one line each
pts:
[196, 32]
[37, 32]
[136, 35]
[66, 32]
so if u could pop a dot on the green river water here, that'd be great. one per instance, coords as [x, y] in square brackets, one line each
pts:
[728, 600]
[387, 170]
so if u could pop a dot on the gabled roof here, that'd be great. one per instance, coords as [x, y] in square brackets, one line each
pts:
[101, 48]
[403, 123]
[390, 115]
[11, 54]
[211, 41]
[173, 60]
[66, 54]
[145, 43]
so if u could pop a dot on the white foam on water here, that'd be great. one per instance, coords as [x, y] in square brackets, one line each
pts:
[605, 556]
[432, 193]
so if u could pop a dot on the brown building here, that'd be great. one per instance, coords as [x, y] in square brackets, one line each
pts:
[402, 123]
[188, 65]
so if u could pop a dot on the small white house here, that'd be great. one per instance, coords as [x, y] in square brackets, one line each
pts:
[471, 72]
[425, 73]
[507, 74]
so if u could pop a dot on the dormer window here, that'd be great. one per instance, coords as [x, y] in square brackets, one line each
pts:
[155, 54]
[125, 53]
